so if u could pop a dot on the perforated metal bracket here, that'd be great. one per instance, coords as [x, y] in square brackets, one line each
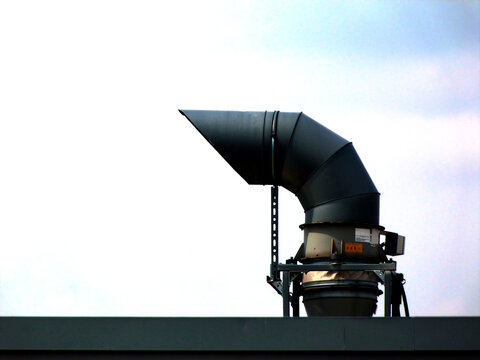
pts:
[276, 284]
[274, 273]
[380, 275]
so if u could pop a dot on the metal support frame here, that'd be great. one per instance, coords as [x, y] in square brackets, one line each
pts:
[274, 279]
[286, 293]
[392, 266]
[296, 290]
[394, 286]
[291, 271]
[388, 293]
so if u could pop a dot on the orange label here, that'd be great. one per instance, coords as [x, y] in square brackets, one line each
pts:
[353, 248]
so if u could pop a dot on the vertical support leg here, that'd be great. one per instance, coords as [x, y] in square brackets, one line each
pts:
[296, 296]
[396, 293]
[388, 293]
[286, 294]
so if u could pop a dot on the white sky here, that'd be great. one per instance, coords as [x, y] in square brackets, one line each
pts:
[111, 203]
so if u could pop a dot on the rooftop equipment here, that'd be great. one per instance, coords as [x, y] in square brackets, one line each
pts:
[343, 258]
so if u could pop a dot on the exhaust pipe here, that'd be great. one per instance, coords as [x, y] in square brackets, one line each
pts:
[323, 170]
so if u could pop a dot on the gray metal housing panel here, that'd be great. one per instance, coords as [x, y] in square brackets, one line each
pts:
[240, 334]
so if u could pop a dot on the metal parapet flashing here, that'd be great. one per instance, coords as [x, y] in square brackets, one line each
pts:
[451, 334]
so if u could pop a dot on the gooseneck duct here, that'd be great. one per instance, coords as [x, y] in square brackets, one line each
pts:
[323, 170]
[291, 150]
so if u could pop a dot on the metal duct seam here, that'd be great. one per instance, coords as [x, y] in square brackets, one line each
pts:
[274, 134]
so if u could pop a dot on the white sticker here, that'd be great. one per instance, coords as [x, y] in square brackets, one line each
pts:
[363, 235]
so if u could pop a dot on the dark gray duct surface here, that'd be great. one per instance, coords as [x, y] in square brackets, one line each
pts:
[291, 150]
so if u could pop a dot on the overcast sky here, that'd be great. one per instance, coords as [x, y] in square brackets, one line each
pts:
[111, 203]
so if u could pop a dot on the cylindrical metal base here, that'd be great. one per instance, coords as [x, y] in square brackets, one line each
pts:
[340, 298]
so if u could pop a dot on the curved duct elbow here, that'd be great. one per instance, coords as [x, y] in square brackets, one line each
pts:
[291, 150]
